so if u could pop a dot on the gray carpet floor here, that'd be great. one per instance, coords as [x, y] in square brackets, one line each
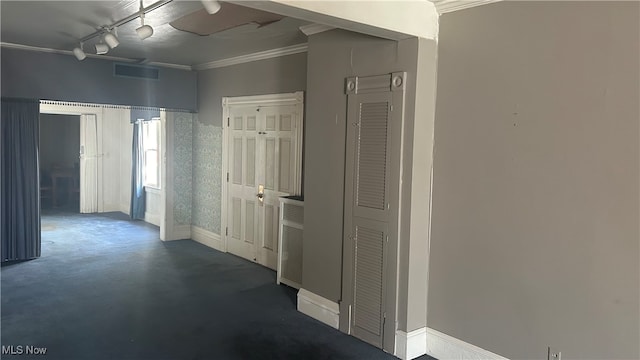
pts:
[108, 288]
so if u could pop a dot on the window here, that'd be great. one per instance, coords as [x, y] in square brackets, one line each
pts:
[151, 146]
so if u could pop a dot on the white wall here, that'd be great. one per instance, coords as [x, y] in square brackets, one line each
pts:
[535, 238]
[152, 206]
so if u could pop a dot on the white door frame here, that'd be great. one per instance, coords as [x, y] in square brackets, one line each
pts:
[63, 108]
[295, 99]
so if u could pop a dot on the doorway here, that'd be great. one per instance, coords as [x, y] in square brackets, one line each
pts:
[88, 153]
[262, 159]
[59, 161]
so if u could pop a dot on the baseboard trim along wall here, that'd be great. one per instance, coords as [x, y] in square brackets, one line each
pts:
[443, 346]
[207, 238]
[319, 308]
[411, 345]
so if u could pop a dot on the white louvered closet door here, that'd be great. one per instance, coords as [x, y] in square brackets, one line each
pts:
[367, 208]
[88, 163]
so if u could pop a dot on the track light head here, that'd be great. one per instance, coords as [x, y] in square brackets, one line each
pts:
[79, 53]
[144, 31]
[102, 49]
[111, 40]
[212, 6]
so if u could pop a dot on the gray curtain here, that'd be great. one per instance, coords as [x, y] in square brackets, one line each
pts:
[137, 174]
[20, 179]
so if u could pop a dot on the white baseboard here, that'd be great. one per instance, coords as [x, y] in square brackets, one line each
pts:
[207, 238]
[152, 218]
[318, 308]
[442, 346]
[411, 345]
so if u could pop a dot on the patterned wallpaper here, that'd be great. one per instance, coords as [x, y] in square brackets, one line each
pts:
[207, 172]
[182, 165]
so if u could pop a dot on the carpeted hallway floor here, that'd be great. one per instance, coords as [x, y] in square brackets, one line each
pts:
[108, 288]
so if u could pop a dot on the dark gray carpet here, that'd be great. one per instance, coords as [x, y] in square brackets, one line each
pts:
[108, 288]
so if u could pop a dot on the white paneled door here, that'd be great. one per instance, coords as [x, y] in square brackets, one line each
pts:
[263, 156]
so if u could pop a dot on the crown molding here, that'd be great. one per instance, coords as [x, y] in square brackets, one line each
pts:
[315, 28]
[93, 56]
[446, 6]
[261, 55]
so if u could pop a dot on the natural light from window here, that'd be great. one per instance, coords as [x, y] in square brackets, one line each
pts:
[151, 145]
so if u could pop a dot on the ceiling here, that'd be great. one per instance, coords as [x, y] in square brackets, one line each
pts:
[59, 25]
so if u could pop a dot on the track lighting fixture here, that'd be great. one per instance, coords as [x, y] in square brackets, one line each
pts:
[144, 31]
[111, 40]
[102, 49]
[79, 53]
[108, 33]
[212, 6]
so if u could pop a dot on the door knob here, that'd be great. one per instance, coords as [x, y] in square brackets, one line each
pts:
[261, 193]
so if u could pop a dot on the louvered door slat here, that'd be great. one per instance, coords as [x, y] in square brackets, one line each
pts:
[372, 155]
[368, 279]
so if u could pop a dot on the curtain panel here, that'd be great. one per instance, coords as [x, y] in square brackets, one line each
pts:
[20, 179]
[137, 175]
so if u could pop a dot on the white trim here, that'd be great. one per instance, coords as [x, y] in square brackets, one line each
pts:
[260, 55]
[446, 6]
[319, 308]
[411, 345]
[443, 346]
[312, 29]
[225, 184]
[207, 238]
[166, 177]
[103, 57]
[269, 99]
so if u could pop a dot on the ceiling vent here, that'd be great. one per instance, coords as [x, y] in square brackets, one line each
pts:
[136, 71]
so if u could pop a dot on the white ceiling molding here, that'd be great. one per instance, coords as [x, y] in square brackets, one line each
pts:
[103, 57]
[261, 55]
[446, 6]
[315, 29]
